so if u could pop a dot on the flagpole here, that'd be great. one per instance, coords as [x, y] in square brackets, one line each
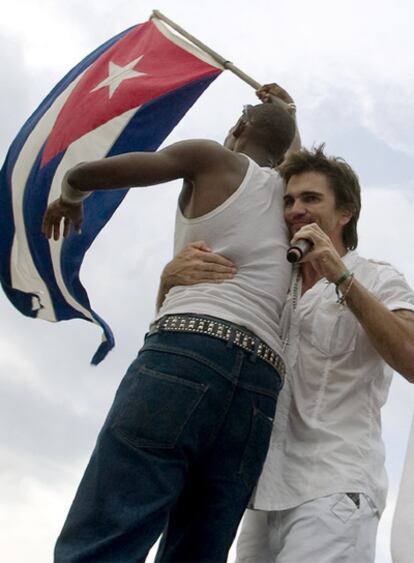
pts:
[225, 63]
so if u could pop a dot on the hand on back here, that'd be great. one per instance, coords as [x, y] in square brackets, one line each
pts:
[196, 263]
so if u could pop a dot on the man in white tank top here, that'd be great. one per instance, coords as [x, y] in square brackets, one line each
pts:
[187, 435]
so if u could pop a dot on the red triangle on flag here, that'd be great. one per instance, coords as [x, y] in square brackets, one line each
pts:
[140, 67]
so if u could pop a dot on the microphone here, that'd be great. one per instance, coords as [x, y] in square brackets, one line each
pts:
[298, 250]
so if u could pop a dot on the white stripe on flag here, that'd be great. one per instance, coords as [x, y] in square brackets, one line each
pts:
[23, 272]
[92, 146]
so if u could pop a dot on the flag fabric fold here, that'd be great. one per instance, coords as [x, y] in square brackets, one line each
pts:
[125, 96]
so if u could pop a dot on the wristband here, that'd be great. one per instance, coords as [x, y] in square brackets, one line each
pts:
[70, 195]
[345, 276]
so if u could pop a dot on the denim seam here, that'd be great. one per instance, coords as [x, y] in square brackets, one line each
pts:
[173, 378]
[192, 355]
[260, 390]
[256, 412]
[237, 368]
[142, 444]
[233, 377]
[240, 357]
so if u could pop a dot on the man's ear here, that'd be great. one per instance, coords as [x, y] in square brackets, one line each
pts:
[346, 216]
[239, 128]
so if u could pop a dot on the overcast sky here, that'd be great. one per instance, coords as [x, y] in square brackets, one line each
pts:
[349, 67]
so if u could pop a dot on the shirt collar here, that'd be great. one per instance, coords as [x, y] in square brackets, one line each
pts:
[350, 259]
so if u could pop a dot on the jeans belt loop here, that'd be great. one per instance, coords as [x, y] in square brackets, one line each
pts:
[231, 335]
[253, 357]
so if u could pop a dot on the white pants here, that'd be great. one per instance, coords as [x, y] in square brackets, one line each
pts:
[330, 529]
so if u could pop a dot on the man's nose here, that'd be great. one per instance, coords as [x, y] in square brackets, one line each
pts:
[297, 208]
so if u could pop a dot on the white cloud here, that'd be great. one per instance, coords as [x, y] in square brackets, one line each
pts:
[386, 227]
[38, 512]
[390, 115]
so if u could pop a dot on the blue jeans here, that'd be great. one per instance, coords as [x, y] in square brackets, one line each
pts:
[180, 453]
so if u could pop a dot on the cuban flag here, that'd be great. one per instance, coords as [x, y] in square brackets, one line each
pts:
[126, 96]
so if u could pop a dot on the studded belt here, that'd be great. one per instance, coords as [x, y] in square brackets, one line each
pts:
[224, 331]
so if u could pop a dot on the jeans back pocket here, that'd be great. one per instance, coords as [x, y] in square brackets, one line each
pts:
[153, 408]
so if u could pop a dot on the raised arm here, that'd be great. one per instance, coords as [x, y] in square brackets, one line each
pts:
[270, 92]
[196, 263]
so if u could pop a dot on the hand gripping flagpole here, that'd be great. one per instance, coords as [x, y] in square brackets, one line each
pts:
[221, 60]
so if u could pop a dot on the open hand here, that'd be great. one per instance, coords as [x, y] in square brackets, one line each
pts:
[71, 214]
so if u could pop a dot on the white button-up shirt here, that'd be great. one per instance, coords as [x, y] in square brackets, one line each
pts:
[327, 435]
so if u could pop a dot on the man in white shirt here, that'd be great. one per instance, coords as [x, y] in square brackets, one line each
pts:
[323, 485]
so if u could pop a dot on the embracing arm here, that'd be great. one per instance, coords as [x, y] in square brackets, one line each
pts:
[196, 263]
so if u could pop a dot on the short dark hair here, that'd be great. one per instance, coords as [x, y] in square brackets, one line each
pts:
[341, 178]
[272, 127]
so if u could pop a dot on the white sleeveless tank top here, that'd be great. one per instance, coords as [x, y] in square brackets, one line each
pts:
[249, 229]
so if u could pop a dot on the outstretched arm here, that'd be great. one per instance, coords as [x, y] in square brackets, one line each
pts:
[196, 263]
[137, 169]
[181, 160]
[270, 92]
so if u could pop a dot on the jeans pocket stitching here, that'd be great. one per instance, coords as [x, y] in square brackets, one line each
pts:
[122, 416]
[173, 379]
[263, 391]
[187, 354]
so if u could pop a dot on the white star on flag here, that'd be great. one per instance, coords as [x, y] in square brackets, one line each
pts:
[117, 74]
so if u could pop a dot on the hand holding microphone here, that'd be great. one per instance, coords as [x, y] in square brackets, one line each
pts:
[298, 250]
[326, 252]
